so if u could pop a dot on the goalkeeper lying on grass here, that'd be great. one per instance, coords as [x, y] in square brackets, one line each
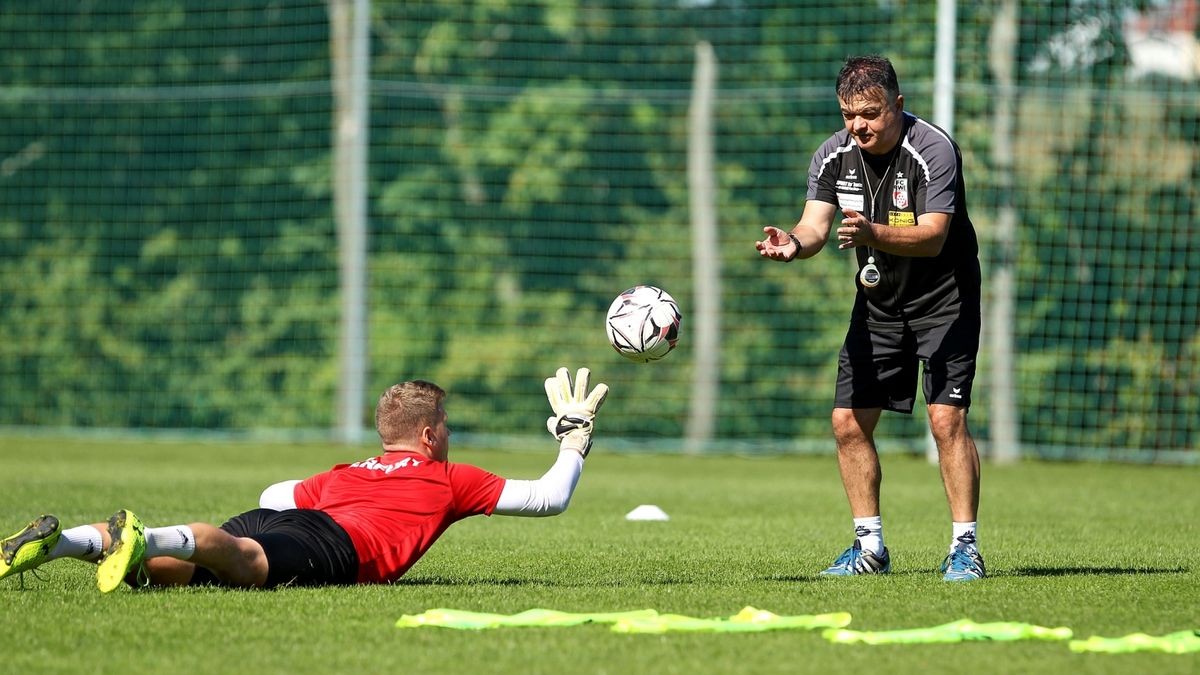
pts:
[366, 522]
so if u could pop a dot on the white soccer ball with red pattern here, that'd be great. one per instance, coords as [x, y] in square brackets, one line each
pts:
[643, 323]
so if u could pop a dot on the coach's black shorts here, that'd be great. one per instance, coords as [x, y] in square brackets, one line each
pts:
[878, 369]
[304, 547]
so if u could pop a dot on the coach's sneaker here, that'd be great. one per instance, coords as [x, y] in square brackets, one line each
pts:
[857, 561]
[30, 547]
[963, 564]
[125, 554]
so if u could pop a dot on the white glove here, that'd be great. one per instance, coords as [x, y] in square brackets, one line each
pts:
[574, 409]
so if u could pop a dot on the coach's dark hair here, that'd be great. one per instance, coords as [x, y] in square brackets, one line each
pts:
[406, 408]
[861, 74]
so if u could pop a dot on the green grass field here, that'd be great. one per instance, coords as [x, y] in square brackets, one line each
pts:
[1103, 549]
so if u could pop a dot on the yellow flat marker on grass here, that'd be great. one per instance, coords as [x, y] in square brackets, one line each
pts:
[956, 631]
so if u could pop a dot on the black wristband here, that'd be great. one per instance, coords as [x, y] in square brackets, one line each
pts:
[797, 243]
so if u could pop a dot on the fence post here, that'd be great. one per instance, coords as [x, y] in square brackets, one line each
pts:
[349, 22]
[706, 260]
[1005, 430]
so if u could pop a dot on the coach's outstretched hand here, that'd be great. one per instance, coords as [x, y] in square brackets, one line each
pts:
[574, 409]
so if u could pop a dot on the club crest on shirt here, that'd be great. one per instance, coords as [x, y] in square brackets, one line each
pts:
[900, 193]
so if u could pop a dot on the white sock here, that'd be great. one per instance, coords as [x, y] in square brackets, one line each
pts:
[869, 532]
[963, 534]
[176, 541]
[83, 542]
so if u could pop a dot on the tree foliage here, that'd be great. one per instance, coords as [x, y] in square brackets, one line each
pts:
[168, 255]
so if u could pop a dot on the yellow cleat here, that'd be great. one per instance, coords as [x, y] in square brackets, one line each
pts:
[30, 547]
[125, 553]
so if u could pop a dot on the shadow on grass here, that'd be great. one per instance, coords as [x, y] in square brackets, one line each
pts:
[1086, 571]
[447, 581]
[1015, 572]
[543, 583]
[820, 578]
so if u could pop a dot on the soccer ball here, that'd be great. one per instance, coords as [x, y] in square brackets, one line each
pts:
[643, 324]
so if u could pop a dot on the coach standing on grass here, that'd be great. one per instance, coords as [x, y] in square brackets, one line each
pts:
[898, 182]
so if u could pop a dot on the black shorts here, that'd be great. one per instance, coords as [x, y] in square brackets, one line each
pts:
[304, 547]
[878, 369]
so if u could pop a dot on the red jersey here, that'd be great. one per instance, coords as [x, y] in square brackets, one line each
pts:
[395, 506]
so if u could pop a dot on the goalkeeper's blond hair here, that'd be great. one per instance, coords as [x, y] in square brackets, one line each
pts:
[406, 408]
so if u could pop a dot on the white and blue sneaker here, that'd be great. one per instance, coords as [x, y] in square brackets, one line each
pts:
[963, 564]
[857, 561]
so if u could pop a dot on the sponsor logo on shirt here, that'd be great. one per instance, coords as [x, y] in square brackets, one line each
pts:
[850, 182]
[376, 465]
[847, 201]
[901, 219]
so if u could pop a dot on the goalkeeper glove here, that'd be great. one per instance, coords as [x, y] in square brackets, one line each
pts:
[578, 440]
[574, 409]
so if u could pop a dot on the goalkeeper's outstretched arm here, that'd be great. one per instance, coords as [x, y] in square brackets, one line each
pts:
[572, 424]
[546, 496]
